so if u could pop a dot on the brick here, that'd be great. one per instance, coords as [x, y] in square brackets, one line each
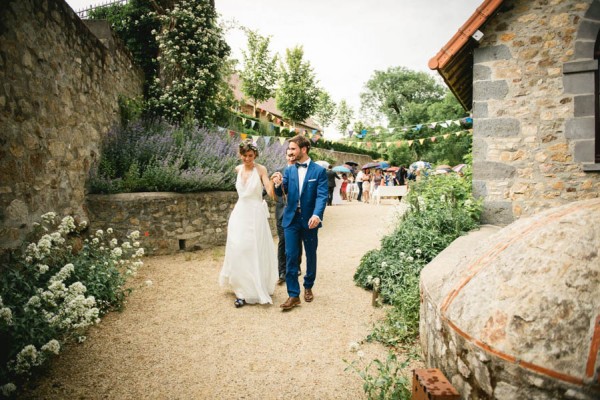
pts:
[579, 83]
[583, 151]
[584, 49]
[580, 128]
[431, 384]
[584, 105]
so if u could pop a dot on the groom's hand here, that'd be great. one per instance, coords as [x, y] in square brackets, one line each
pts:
[276, 178]
[313, 222]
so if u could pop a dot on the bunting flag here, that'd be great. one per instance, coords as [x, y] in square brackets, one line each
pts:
[243, 120]
[231, 133]
[421, 141]
[255, 138]
[281, 140]
[433, 139]
[252, 123]
[410, 142]
[221, 129]
[446, 136]
[267, 139]
[457, 133]
[388, 144]
[445, 124]
[243, 135]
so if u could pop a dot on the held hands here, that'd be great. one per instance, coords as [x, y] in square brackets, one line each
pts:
[276, 178]
[313, 222]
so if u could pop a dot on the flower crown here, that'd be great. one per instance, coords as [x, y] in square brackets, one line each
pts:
[249, 144]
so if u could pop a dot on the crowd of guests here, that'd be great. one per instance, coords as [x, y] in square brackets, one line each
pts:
[360, 184]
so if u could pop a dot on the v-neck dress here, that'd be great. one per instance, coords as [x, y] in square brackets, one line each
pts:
[250, 265]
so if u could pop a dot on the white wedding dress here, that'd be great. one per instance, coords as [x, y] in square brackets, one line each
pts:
[250, 266]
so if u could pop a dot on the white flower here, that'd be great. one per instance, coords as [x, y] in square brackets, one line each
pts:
[409, 259]
[126, 245]
[418, 251]
[34, 301]
[402, 254]
[139, 252]
[6, 315]
[81, 339]
[109, 231]
[354, 347]
[53, 346]
[95, 240]
[116, 252]
[8, 389]
[99, 233]
[384, 264]
[42, 268]
[114, 242]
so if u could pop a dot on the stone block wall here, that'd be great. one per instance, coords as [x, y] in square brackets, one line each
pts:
[168, 222]
[58, 97]
[533, 107]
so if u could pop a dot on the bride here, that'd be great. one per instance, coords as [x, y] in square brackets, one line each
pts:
[250, 265]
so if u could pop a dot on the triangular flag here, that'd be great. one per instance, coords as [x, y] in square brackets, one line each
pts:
[243, 120]
[388, 144]
[267, 139]
[252, 123]
[444, 124]
[457, 122]
[449, 122]
[399, 143]
[243, 136]
[446, 136]
[281, 140]
[421, 141]
[255, 138]
[433, 125]
[220, 129]
[458, 133]
[433, 138]
[410, 142]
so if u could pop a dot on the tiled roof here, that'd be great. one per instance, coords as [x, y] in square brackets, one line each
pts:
[454, 62]
[268, 105]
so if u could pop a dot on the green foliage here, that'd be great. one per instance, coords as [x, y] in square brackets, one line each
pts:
[401, 95]
[319, 155]
[297, 94]
[192, 49]
[345, 113]
[325, 110]
[57, 286]
[259, 74]
[389, 380]
[441, 209]
[130, 109]
[133, 23]
[448, 108]
[402, 155]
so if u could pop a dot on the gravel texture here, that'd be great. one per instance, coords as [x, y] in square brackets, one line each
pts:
[182, 338]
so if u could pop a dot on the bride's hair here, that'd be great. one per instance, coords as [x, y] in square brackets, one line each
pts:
[248, 145]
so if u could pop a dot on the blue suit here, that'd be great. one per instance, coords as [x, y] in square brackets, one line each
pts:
[312, 201]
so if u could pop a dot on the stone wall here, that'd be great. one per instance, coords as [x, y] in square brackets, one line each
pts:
[531, 141]
[58, 97]
[168, 222]
[341, 157]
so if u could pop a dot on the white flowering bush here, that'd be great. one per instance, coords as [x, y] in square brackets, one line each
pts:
[54, 288]
[192, 50]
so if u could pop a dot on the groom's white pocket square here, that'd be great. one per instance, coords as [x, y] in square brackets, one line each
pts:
[312, 180]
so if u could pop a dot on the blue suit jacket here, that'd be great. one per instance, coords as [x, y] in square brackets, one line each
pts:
[314, 193]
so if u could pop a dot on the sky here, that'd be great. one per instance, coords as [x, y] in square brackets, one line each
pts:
[346, 41]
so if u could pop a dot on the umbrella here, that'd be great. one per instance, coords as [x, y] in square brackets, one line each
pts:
[352, 163]
[370, 165]
[392, 169]
[419, 165]
[443, 167]
[340, 168]
[322, 163]
[383, 165]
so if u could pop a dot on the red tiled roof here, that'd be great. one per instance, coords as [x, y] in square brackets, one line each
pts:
[454, 62]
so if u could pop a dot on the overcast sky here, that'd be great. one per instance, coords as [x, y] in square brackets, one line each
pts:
[347, 40]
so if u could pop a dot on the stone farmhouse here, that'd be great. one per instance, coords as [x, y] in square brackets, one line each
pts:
[528, 70]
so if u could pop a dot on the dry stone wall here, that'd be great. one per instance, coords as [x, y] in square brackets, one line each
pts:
[58, 97]
[532, 136]
[168, 222]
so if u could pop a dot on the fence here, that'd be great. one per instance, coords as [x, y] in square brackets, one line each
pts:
[83, 13]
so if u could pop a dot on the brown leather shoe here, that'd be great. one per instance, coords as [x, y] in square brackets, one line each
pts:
[290, 303]
[308, 295]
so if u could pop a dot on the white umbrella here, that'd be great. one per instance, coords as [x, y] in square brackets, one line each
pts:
[322, 163]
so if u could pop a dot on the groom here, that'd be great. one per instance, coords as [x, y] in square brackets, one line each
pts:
[306, 187]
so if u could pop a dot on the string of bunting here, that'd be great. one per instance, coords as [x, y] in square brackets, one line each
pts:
[417, 127]
[399, 143]
[280, 123]
[267, 139]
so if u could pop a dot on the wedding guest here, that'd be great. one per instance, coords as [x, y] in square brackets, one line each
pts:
[250, 266]
[366, 185]
[280, 204]
[307, 192]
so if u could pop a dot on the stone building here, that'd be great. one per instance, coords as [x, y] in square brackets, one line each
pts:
[514, 312]
[528, 70]
[59, 96]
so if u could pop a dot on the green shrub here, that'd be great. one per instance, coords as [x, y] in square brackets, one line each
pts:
[441, 209]
[54, 288]
[389, 380]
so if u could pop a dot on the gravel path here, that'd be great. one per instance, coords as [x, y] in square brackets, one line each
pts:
[182, 338]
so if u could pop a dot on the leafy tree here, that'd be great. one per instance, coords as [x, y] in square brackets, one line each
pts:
[325, 110]
[448, 108]
[192, 49]
[298, 93]
[345, 113]
[402, 155]
[395, 92]
[259, 74]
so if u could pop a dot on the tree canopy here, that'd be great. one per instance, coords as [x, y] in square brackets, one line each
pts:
[345, 113]
[259, 75]
[297, 93]
[325, 110]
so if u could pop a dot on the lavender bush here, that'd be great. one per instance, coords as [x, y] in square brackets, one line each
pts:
[164, 158]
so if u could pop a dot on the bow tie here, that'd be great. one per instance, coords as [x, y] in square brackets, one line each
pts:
[300, 165]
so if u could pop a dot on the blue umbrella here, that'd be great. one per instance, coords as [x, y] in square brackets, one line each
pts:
[340, 168]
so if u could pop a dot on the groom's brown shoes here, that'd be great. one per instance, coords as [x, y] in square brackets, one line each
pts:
[308, 295]
[290, 303]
